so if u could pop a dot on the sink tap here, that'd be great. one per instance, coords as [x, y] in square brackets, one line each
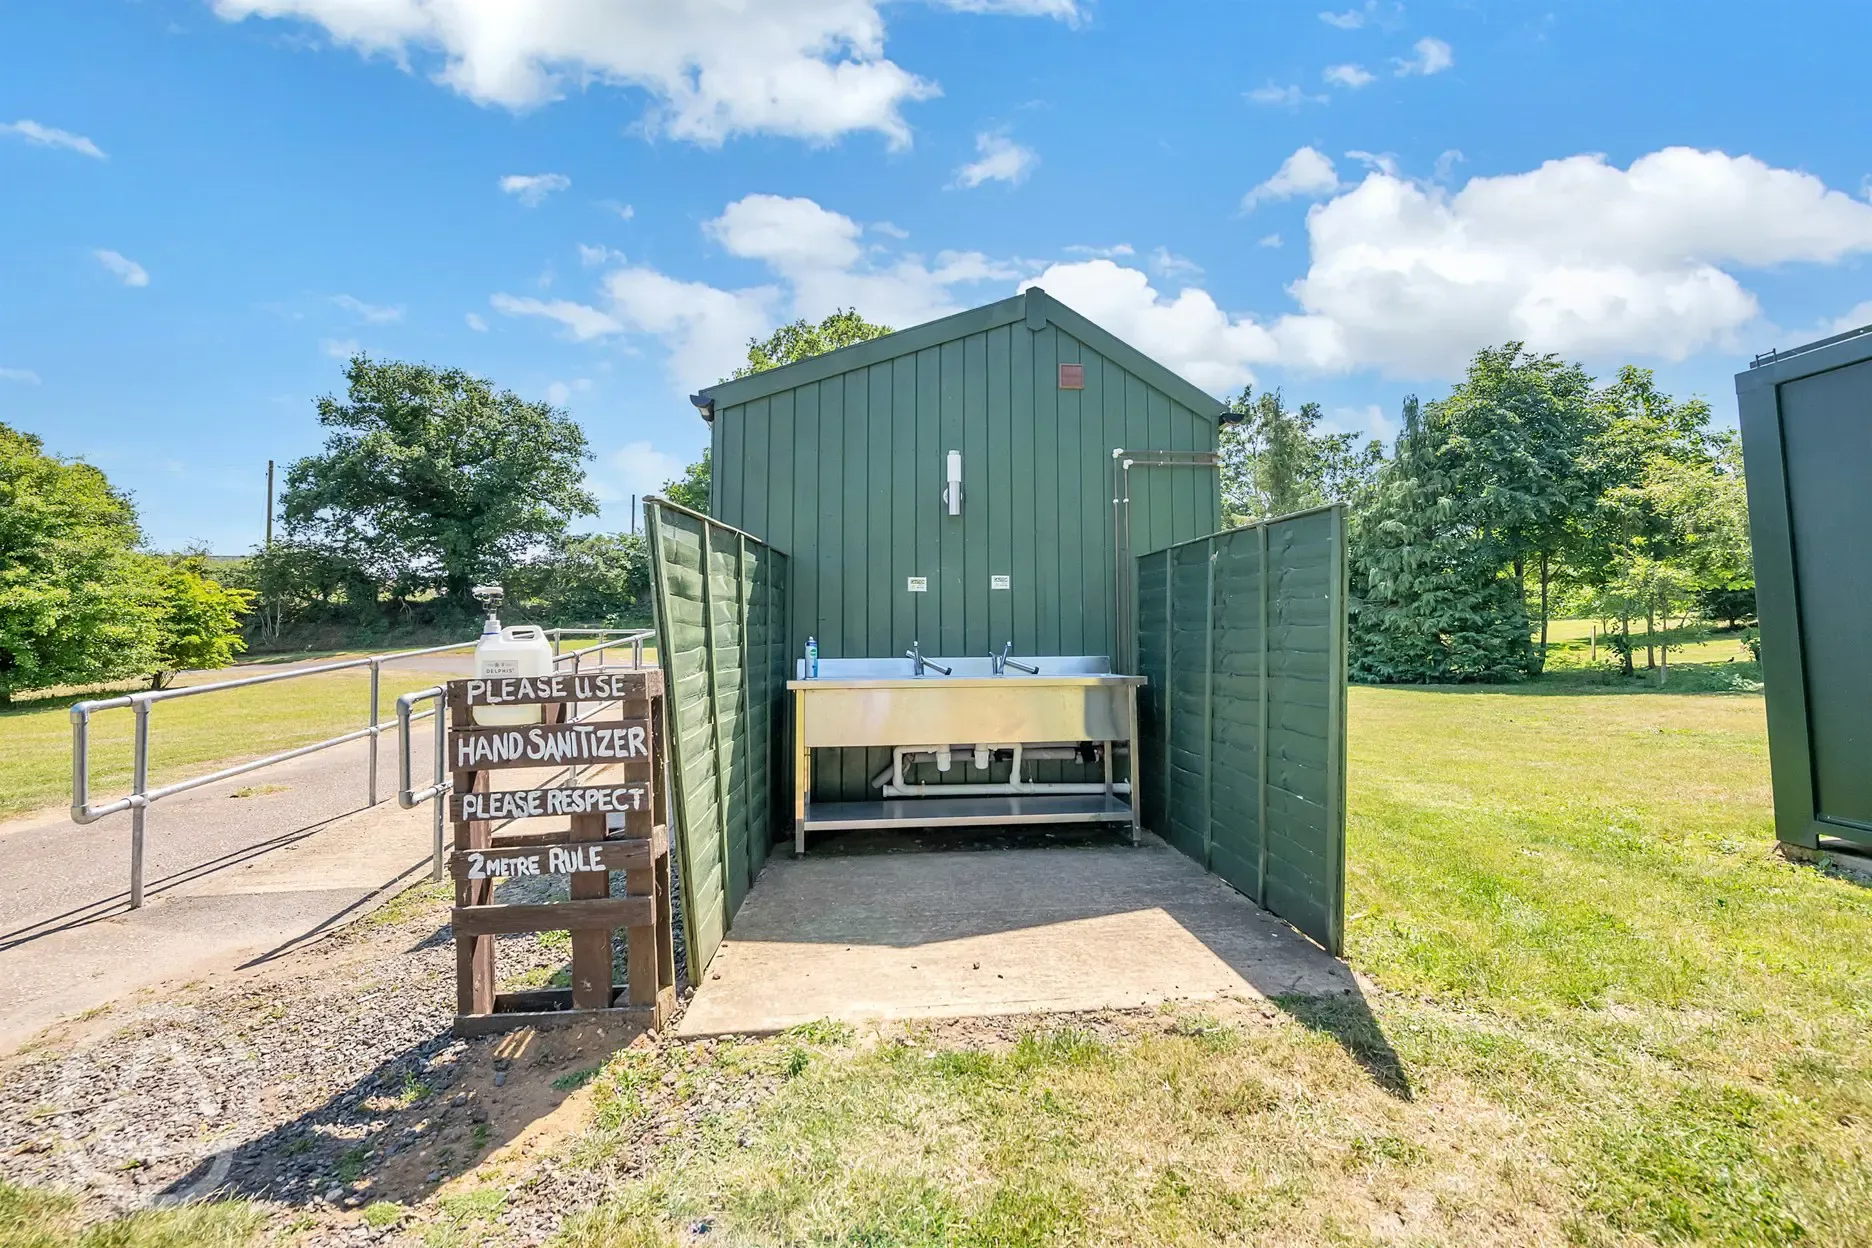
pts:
[1003, 661]
[918, 662]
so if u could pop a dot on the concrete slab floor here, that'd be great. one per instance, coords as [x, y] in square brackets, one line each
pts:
[1006, 931]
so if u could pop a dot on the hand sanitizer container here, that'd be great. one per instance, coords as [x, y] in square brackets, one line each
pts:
[518, 650]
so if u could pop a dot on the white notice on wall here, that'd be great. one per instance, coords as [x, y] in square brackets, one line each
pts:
[919, 584]
[1000, 582]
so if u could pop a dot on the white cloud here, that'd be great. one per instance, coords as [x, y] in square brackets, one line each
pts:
[122, 267]
[817, 251]
[1353, 19]
[1307, 172]
[475, 322]
[590, 256]
[1104, 253]
[1433, 57]
[1858, 317]
[1166, 263]
[640, 468]
[1577, 256]
[532, 189]
[1383, 162]
[819, 261]
[1001, 159]
[888, 230]
[369, 313]
[48, 136]
[1268, 240]
[25, 376]
[1446, 164]
[559, 393]
[1188, 333]
[625, 211]
[584, 322]
[339, 348]
[711, 69]
[1369, 420]
[1354, 76]
[1289, 96]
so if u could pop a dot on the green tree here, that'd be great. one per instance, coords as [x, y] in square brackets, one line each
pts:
[433, 479]
[1431, 597]
[198, 619]
[76, 606]
[1517, 427]
[789, 344]
[802, 339]
[1273, 461]
[1647, 459]
[598, 580]
[691, 490]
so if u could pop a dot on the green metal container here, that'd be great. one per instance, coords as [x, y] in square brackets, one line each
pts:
[1806, 419]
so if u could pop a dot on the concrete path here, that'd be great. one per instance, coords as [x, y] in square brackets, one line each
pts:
[933, 935]
[227, 880]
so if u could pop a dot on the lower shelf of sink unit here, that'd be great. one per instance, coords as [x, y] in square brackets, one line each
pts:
[955, 812]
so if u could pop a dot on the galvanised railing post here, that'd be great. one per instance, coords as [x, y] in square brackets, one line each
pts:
[376, 672]
[441, 783]
[139, 803]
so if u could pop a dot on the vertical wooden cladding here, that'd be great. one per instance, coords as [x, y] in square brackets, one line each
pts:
[721, 603]
[845, 474]
[1242, 635]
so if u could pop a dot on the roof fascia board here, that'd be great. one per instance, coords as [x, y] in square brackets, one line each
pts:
[1034, 306]
[863, 354]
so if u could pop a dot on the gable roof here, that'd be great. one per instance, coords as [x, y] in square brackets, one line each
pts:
[1033, 305]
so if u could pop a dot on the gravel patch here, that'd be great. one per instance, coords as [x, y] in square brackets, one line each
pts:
[318, 1083]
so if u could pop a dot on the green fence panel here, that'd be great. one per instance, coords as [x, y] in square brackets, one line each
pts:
[1242, 757]
[720, 600]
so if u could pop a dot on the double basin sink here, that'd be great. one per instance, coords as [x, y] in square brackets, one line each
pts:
[883, 702]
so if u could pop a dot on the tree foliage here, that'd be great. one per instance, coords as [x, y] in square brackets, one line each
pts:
[80, 604]
[433, 479]
[198, 619]
[76, 606]
[803, 338]
[1528, 479]
[1274, 461]
[1432, 600]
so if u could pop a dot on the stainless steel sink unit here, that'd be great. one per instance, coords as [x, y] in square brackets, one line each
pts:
[981, 708]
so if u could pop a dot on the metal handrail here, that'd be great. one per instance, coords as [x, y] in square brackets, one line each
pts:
[141, 796]
[406, 797]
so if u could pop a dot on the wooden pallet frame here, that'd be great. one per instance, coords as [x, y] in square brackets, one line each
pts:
[590, 915]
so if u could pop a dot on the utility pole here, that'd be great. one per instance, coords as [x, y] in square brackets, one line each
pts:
[269, 524]
[633, 515]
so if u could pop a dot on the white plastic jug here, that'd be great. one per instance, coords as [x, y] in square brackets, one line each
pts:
[518, 650]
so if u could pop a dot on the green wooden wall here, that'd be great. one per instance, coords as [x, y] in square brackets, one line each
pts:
[1242, 638]
[720, 603]
[844, 473]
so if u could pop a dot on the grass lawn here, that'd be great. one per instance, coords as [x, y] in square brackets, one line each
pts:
[33, 1219]
[1602, 1011]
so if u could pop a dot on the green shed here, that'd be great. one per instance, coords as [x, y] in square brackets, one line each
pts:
[1010, 475]
[841, 461]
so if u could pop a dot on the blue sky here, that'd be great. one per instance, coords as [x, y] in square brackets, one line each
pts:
[205, 205]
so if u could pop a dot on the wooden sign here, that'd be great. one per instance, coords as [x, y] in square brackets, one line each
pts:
[505, 862]
[604, 799]
[598, 686]
[548, 745]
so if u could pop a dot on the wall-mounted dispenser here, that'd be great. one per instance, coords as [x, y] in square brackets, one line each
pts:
[952, 492]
